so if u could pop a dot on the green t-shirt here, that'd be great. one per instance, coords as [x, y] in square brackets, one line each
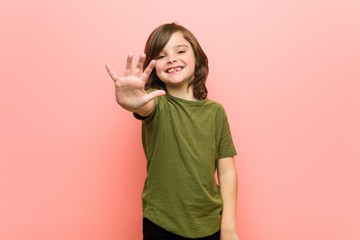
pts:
[182, 140]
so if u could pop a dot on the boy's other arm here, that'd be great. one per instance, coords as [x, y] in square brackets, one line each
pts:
[228, 187]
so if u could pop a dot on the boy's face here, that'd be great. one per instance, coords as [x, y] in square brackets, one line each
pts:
[175, 65]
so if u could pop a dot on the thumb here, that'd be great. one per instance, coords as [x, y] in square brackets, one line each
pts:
[153, 95]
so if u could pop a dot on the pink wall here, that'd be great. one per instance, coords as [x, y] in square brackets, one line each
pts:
[71, 163]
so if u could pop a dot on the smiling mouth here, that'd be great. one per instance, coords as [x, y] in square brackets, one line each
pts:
[175, 69]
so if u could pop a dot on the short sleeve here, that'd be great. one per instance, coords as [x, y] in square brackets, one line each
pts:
[226, 146]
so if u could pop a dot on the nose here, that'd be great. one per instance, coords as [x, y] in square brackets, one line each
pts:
[172, 59]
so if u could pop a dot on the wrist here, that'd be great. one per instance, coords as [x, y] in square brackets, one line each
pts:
[228, 229]
[228, 235]
[228, 223]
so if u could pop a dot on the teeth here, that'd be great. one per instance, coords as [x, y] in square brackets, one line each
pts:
[174, 69]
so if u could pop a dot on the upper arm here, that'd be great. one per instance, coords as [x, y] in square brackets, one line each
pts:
[226, 165]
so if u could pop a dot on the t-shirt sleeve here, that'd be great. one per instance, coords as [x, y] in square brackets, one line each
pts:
[226, 146]
[147, 118]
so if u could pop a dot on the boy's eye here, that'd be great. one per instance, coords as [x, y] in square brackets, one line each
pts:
[160, 56]
[181, 51]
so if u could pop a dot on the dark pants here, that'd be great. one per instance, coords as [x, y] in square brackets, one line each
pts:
[153, 232]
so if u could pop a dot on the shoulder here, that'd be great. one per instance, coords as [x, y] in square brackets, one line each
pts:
[215, 105]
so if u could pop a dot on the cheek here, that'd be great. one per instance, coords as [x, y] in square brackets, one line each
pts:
[193, 63]
[157, 71]
[158, 67]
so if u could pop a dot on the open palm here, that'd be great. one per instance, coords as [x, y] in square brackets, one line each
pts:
[130, 89]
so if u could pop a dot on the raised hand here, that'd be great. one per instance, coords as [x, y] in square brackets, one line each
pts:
[129, 89]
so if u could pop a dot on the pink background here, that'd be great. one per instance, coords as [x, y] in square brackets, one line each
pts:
[287, 72]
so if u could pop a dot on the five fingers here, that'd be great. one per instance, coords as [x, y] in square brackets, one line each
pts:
[137, 71]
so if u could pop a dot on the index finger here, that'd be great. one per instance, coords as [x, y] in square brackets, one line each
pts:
[147, 72]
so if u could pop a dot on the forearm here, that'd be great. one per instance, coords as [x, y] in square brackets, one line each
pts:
[228, 188]
[146, 110]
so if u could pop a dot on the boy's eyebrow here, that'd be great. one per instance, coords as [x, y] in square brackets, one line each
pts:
[177, 46]
[182, 45]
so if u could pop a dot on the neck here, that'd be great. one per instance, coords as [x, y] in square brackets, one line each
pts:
[183, 92]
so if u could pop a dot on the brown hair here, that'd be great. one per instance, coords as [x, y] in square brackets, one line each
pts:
[157, 41]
